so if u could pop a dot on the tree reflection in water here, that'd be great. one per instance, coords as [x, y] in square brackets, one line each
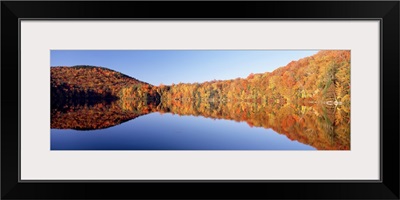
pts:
[325, 127]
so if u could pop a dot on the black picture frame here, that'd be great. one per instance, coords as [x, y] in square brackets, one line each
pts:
[385, 11]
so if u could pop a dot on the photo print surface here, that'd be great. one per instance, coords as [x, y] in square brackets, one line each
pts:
[200, 99]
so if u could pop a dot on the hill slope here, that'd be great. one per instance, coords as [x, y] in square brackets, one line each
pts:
[323, 77]
[88, 82]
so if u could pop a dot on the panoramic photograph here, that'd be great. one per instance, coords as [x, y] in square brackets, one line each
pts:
[200, 100]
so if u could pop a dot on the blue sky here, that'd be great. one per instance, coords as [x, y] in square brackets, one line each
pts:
[175, 66]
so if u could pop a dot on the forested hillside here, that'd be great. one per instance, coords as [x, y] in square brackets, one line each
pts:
[88, 82]
[322, 78]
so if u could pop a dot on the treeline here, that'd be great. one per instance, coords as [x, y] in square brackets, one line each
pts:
[322, 78]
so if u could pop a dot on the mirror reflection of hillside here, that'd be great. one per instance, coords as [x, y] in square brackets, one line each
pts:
[322, 126]
[92, 115]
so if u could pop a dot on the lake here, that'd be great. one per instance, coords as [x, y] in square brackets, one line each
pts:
[193, 125]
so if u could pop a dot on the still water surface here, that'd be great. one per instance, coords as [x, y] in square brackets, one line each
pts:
[157, 131]
[140, 126]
